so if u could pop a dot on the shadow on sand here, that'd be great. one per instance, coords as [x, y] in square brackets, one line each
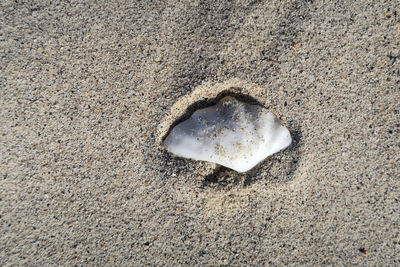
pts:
[279, 167]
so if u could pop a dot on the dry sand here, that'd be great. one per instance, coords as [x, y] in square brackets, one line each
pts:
[89, 90]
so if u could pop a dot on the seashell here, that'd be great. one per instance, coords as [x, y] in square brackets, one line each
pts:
[231, 133]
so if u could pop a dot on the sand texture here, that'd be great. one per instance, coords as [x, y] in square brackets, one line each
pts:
[89, 91]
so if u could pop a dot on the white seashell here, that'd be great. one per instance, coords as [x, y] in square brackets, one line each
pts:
[234, 134]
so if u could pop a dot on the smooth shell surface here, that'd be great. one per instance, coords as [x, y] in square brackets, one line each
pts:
[234, 134]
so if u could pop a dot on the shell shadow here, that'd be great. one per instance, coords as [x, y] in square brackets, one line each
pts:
[278, 168]
[208, 102]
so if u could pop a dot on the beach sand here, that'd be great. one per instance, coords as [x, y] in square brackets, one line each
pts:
[89, 90]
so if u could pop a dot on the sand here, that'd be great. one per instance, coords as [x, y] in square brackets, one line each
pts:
[88, 91]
